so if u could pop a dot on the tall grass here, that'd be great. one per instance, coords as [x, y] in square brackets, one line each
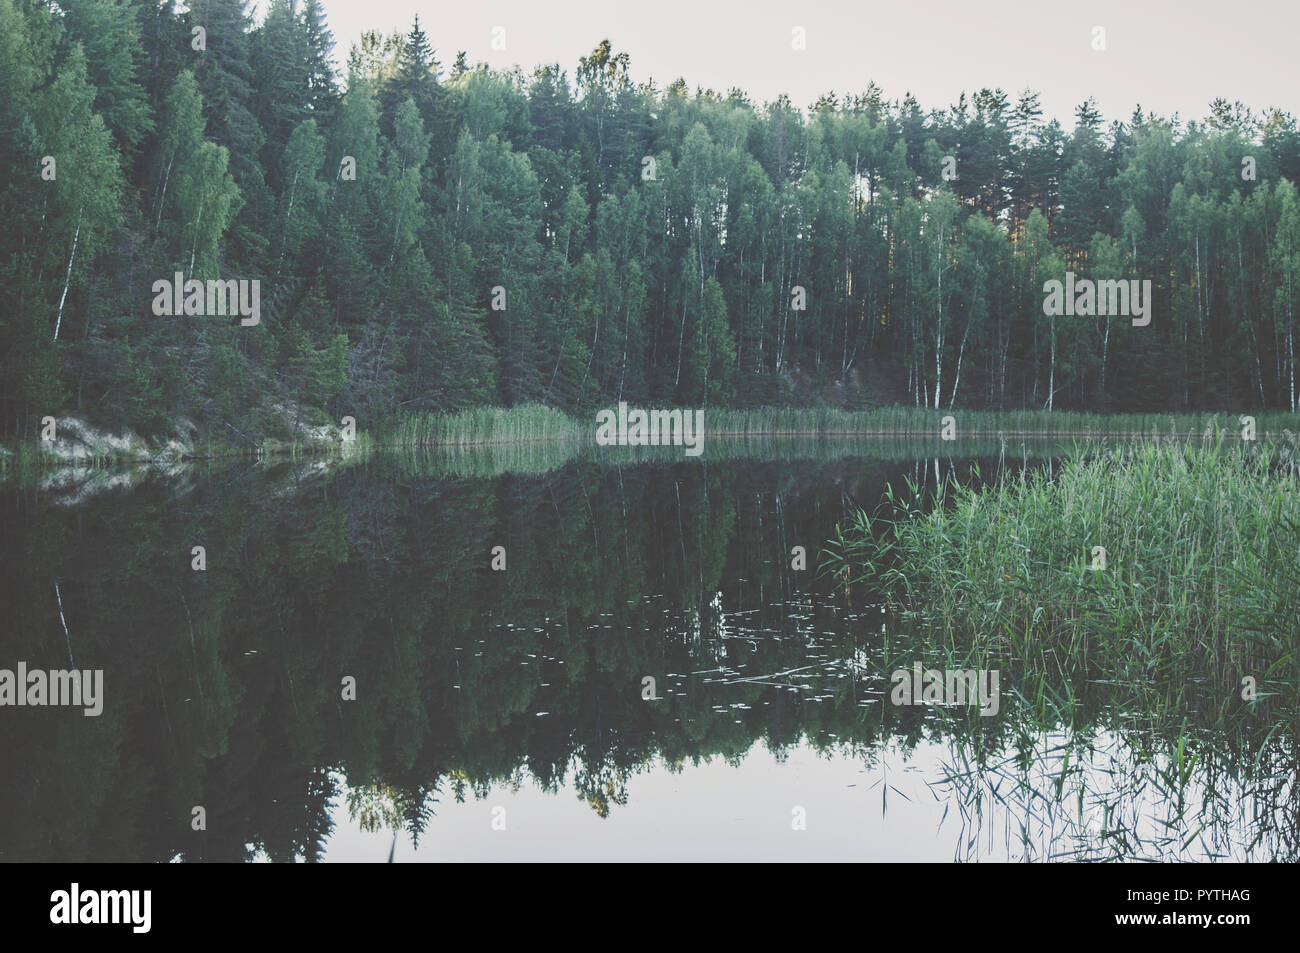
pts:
[31, 457]
[534, 422]
[1143, 662]
[1201, 584]
[921, 421]
[528, 423]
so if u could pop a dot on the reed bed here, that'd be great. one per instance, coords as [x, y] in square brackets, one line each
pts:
[921, 421]
[1201, 580]
[527, 423]
[30, 457]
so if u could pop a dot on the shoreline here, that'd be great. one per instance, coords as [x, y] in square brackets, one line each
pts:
[538, 426]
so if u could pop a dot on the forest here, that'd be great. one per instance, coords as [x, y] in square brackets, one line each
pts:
[433, 235]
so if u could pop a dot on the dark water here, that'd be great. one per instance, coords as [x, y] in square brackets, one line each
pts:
[501, 714]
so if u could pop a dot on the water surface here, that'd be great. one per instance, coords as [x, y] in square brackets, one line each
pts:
[502, 714]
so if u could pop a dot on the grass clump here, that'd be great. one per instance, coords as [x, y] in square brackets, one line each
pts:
[527, 423]
[1202, 563]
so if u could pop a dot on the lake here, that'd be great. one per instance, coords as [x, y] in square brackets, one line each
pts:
[650, 672]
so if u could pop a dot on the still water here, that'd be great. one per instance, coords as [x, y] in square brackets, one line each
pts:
[340, 674]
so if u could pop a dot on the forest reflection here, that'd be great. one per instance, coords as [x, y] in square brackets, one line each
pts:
[225, 688]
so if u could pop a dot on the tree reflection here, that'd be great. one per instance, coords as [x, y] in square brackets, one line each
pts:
[223, 687]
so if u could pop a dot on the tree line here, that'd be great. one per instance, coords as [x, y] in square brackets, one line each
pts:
[431, 237]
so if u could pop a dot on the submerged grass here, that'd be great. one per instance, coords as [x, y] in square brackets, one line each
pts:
[477, 461]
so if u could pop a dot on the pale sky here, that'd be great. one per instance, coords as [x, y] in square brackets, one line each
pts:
[1169, 55]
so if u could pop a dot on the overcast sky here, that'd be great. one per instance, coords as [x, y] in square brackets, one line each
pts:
[1169, 55]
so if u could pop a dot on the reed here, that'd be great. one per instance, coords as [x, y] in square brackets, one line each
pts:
[921, 421]
[527, 423]
[1201, 584]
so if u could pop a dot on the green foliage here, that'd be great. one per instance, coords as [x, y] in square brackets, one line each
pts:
[648, 245]
[1199, 542]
